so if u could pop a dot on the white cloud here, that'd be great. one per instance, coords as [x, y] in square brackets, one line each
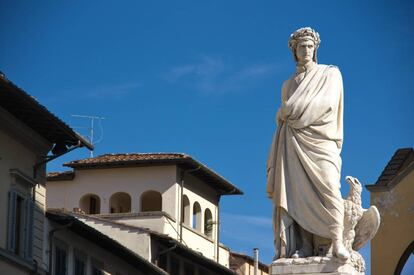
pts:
[213, 75]
[117, 90]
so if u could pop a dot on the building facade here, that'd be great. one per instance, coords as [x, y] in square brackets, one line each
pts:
[244, 264]
[29, 136]
[80, 249]
[393, 194]
[171, 194]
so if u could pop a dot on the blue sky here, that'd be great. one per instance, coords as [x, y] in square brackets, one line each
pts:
[204, 78]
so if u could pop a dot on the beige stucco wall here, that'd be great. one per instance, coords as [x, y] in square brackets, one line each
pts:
[191, 238]
[248, 269]
[20, 149]
[244, 267]
[197, 191]
[396, 231]
[135, 181]
[11, 157]
[106, 182]
[157, 223]
[138, 242]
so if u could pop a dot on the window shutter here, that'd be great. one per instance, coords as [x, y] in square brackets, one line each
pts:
[11, 238]
[28, 243]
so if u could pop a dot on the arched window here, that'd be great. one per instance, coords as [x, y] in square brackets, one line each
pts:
[151, 201]
[90, 204]
[405, 264]
[197, 216]
[208, 223]
[120, 203]
[186, 211]
[408, 266]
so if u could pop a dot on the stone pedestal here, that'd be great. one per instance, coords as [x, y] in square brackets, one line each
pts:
[314, 266]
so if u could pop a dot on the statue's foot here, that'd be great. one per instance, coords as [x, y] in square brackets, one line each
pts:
[340, 251]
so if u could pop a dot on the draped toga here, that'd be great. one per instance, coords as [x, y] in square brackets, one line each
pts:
[304, 164]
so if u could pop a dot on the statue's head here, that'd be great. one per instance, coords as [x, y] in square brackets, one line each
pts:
[304, 44]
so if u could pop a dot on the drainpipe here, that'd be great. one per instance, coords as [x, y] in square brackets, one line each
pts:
[256, 260]
[34, 204]
[51, 233]
[182, 204]
[218, 230]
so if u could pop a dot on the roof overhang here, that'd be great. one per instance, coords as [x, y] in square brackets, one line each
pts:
[28, 110]
[192, 255]
[103, 241]
[390, 185]
[183, 161]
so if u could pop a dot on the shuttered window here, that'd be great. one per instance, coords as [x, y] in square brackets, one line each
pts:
[28, 229]
[80, 266]
[60, 261]
[79, 262]
[20, 225]
[11, 231]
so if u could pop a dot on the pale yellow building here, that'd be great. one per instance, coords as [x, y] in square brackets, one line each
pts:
[393, 194]
[243, 264]
[31, 240]
[29, 137]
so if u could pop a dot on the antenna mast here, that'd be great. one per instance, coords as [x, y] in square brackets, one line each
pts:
[91, 129]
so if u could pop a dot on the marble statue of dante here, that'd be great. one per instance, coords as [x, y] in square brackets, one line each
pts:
[304, 164]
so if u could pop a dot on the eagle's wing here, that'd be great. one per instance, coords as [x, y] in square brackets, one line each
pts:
[366, 228]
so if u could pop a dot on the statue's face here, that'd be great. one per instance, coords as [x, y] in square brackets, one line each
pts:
[305, 50]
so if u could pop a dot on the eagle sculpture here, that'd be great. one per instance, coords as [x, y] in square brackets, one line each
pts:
[360, 225]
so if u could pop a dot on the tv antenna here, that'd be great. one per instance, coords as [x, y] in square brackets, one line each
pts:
[91, 129]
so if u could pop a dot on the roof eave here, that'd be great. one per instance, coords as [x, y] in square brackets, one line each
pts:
[391, 184]
[191, 253]
[84, 230]
[73, 138]
[187, 163]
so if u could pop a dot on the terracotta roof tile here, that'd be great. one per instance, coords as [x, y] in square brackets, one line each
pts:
[399, 161]
[182, 160]
[57, 176]
[29, 111]
[127, 158]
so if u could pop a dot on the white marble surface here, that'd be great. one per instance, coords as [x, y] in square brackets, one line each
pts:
[313, 266]
[303, 169]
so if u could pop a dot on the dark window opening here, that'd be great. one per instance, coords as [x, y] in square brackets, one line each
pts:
[18, 225]
[120, 203]
[60, 261]
[208, 223]
[92, 205]
[197, 216]
[80, 267]
[189, 269]
[162, 261]
[96, 271]
[151, 201]
[174, 266]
